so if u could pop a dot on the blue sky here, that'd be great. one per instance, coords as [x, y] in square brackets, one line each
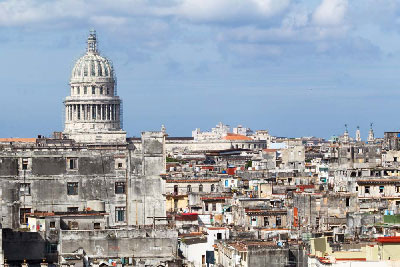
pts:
[296, 68]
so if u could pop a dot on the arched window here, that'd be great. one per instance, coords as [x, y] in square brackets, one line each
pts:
[85, 69]
[201, 188]
[189, 188]
[92, 70]
[212, 188]
[99, 69]
[176, 189]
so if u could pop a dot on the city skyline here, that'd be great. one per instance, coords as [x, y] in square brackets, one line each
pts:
[201, 66]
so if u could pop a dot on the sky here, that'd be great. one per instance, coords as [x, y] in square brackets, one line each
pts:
[296, 68]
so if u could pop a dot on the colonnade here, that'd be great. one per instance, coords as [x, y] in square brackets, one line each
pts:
[92, 112]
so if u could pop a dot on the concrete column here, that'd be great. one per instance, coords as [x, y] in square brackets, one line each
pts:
[66, 113]
[95, 111]
[112, 111]
[108, 112]
[84, 106]
[117, 112]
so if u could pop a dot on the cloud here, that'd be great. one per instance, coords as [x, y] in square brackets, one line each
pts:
[330, 12]
[228, 10]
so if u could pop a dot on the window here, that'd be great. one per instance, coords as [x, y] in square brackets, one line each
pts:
[119, 165]
[266, 221]
[212, 188]
[78, 90]
[101, 90]
[397, 188]
[99, 70]
[96, 226]
[219, 236]
[176, 189]
[395, 159]
[73, 225]
[85, 90]
[201, 188]
[108, 91]
[24, 189]
[22, 215]
[189, 188]
[72, 209]
[356, 188]
[24, 164]
[72, 188]
[119, 187]
[381, 188]
[93, 90]
[52, 224]
[214, 206]
[206, 206]
[278, 221]
[72, 163]
[85, 69]
[120, 214]
[366, 190]
[347, 202]
[92, 70]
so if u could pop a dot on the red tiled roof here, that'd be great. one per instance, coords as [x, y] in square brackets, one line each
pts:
[389, 239]
[232, 136]
[192, 181]
[20, 140]
[217, 228]
[270, 150]
[214, 198]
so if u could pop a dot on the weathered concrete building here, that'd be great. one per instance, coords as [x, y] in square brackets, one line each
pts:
[89, 193]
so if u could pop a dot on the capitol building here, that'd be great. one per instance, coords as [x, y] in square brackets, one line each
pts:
[93, 111]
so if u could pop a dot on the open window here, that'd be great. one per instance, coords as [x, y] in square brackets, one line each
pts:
[72, 189]
[72, 163]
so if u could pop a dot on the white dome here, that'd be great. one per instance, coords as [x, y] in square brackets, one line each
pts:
[92, 65]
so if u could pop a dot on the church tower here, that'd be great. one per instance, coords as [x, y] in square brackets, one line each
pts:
[93, 109]
[346, 137]
[371, 137]
[358, 134]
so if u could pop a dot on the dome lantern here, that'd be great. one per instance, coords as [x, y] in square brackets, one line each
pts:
[92, 42]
